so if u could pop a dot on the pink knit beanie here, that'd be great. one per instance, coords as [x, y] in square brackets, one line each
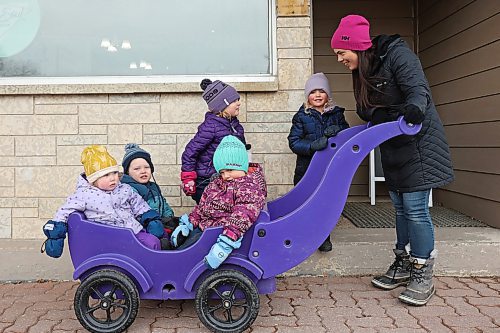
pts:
[353, 33]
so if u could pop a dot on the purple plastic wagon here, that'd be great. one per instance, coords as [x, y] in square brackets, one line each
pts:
[116, 271]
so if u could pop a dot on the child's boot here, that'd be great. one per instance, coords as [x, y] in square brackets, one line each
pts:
[421, 287]
[398, 273]
[326, 246]
[166, 243]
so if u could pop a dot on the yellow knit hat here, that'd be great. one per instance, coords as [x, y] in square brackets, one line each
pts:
[97, 162]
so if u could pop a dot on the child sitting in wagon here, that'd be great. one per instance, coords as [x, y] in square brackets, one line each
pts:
[102, 198]
[138, 172]
[233, 199]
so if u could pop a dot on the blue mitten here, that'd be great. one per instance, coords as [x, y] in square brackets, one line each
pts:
[221, 250]
[184, 228]
[54, 247]
[56, 233]
[149, 216]
[155, 228]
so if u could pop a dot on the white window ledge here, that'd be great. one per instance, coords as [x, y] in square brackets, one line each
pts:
[125, 85]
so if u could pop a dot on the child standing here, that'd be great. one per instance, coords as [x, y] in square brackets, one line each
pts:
[233, 199]
[317, 119]
[138, 170]
[224, 106]
[102, 198]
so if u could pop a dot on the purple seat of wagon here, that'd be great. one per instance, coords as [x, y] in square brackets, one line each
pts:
[275, 243]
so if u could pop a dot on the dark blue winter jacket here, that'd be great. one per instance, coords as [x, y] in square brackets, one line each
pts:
[307, 126]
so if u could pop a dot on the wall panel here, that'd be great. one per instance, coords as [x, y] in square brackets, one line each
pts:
[432, 12]
[468, 16]
[459, 45]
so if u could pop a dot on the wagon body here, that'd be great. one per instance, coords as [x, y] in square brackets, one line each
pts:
[287, 231]
[158, 275]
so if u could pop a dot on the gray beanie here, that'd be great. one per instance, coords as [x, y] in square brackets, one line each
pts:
[317, 81]
[218, 95]
[133, 151]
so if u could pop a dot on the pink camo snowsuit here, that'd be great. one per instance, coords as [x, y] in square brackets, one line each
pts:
[234, 204]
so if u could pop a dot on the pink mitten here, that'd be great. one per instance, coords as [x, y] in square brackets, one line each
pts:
[188, 184]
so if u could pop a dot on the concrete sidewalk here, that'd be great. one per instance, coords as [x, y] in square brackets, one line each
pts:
[301, 304]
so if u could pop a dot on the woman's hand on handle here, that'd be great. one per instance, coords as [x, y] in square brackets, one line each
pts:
[413, 115]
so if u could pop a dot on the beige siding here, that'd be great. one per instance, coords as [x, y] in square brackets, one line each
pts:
[386, 17]
[459, 46]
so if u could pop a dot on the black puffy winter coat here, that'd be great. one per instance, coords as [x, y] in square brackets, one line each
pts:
[307, 126]
[410, 163]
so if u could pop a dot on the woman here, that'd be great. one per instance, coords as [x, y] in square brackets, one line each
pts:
[389, 82]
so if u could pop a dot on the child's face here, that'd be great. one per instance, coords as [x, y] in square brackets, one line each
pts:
[233, 109]
[317, 98]
[140, 170]
[231, 174]
[107, 182]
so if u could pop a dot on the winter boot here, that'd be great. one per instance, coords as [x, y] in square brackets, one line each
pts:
[326, 246]
[420, 289]
[165, 244]
[398, 273]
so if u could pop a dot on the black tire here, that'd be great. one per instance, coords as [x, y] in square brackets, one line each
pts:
[227, 301]
[107, 301]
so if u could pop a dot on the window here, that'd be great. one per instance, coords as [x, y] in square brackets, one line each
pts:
[130, 39]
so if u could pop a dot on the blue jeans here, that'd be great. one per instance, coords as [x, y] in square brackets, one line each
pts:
[414, 223]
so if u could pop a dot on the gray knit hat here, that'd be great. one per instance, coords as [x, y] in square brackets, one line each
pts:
[317, 81]
[133, 151]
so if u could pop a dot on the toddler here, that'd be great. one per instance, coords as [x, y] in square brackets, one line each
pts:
[233, 199]
[138, 170]
[221, 120]
[102, 198]
[317, 119]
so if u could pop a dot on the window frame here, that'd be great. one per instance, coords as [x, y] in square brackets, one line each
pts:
[151, 83]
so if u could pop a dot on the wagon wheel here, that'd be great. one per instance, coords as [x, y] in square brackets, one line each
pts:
[107, 301]
[227, 301]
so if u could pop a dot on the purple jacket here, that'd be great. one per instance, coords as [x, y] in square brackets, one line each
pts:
[198, 154]
[120, 207]
[234, 204]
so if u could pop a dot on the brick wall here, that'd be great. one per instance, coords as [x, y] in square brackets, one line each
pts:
[42, 135]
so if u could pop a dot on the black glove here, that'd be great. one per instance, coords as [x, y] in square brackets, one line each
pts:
[319, 144]
[170, 223]
[332, 130]
[412, 114]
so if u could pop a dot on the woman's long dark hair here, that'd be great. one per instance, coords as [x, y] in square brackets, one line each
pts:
[362, 77]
